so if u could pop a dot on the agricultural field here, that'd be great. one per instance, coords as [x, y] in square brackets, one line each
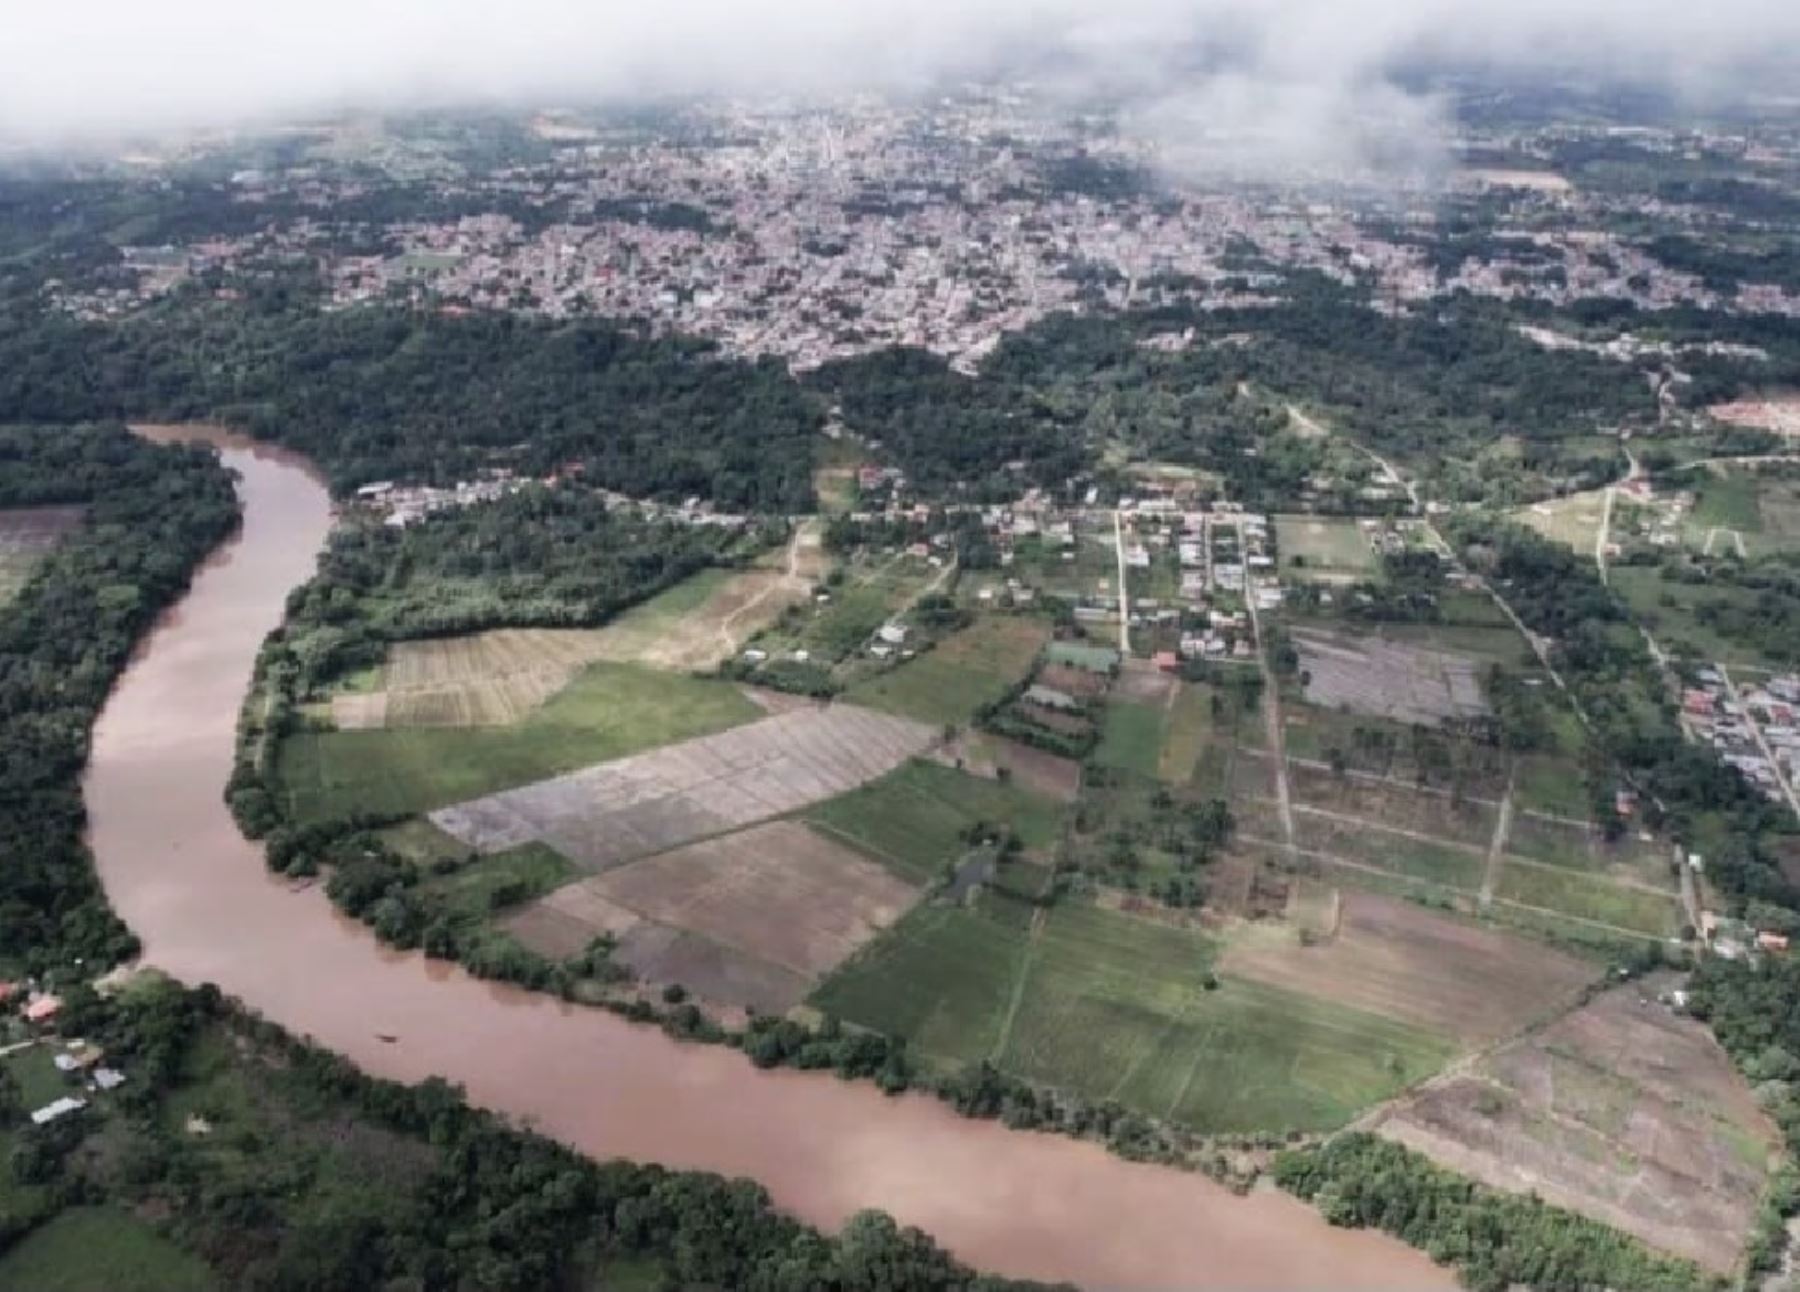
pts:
[86, 1249]
[1623, 1111]
[1388, 679]
[1396, 959]
[27, 534]
[1636, 908]
[614, 812]
[483, 679]
[1107, 1005]
[752, 919]
[959, 675]
[1131, 737]
[916, 819]
[1324, 549]
[608, 711]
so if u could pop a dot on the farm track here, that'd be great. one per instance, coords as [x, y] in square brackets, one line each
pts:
[790, 582]
[1497, 846]
[1004, 1038]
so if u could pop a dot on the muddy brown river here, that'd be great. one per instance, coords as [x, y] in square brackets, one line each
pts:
[1028, 1205]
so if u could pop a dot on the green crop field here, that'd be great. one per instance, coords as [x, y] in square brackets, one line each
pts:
[947, 684]
[912, 820]
[941, 978]
[1589, 897]
[88, 1249]
[1112, 1007]
[608, 711]
[1132, 738]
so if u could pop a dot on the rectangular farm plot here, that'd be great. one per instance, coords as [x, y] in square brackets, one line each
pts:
[1628, 907]
[1131, 738]
[752, 919]
[780, 892]
[1398, 808]
[1387, 679]
[1435, 861]
[1391, 957]
[635, 807]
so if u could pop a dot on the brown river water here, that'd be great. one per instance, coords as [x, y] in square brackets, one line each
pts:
[1028, 1205]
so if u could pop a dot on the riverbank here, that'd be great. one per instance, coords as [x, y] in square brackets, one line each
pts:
[206, 908]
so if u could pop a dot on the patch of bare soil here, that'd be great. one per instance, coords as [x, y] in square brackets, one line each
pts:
[1624, 1111]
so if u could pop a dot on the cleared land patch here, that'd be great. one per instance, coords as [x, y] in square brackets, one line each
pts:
[1394, 958]
[1623, 1111]
[960, 675]
[608, 710]
[1574, 520]
[707, 618]
[27, 534]
[635, 807]
[1387, 679]
[761, 915]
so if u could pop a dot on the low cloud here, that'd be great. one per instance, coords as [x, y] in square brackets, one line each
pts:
[1307, 81]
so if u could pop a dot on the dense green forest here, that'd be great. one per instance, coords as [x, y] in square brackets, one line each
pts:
[152, 513]
[1458, 395]
[380, 392]
[1494, 1240]
[312, 1177]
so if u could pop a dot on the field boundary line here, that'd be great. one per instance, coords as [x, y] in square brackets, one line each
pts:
[1636, 885]
[1004, 1038]
[1346, 818]
[1496, 853]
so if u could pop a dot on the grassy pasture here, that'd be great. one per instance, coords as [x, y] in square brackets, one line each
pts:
[912, 820]
[1131, 739]
[1328, 548]
[948, 683]
[87, 1249]
[1588, 897]
[608, 711]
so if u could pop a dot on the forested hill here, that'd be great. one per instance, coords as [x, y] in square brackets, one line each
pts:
[376, 392]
